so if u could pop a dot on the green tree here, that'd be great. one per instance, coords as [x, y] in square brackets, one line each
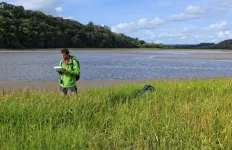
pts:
[20, 28]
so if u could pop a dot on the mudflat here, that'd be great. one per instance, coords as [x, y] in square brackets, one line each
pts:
[198, 54]
[52, 85]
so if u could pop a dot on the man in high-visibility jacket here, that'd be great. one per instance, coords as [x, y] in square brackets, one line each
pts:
[69, 74]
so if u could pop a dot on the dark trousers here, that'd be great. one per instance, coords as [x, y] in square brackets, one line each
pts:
[68, 91]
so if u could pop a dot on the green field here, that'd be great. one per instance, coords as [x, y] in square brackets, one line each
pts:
[190, 114]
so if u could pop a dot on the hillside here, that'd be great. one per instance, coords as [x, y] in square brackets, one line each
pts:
[20, 28]
[227, 44]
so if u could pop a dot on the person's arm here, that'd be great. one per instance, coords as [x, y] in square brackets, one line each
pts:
[60, 66]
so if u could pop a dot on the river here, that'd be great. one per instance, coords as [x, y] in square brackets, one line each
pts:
[117, 65]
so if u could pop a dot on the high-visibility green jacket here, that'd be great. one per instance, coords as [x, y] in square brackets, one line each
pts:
[68, 79]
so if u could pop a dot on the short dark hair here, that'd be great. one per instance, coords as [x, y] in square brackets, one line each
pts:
[65, 51]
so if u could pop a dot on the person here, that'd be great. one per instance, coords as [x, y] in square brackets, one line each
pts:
[70, 70]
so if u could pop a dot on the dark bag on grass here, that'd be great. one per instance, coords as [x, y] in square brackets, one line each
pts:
[144, 90]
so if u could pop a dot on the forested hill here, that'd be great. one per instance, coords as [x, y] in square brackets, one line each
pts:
[227, 44]
[20, 28]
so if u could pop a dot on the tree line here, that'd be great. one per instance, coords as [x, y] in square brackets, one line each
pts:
[20, 28]
[226, 44]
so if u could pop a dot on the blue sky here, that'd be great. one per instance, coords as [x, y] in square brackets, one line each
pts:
[159, 21]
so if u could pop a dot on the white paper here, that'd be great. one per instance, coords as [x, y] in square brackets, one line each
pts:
[58, 68]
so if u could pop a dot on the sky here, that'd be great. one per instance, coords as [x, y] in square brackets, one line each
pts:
[158, 21]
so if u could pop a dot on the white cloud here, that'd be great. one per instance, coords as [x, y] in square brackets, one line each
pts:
[182, 17]
[151, 37]
[191, 33]
[161, 36]
[140, 24]
[215, 40]
[224, 34]
[194, 10]
[188, 36]
[183, 37]
[190, 12]
[186, 29]
[226, 3]
[217, 26]
[59, 9]
[46, 6]
[68, 17]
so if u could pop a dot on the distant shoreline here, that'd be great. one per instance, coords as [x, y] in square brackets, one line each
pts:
[105, 49]
[197, 54]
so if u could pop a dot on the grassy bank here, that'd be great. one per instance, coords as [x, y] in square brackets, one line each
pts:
[192, 114]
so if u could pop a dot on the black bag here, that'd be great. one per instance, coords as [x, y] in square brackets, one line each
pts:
[77, 76]
[144, 90]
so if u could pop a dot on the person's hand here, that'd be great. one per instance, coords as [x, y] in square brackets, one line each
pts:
[60, 72]
[64, 70]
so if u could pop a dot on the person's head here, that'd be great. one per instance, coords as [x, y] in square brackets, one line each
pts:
[65, 53]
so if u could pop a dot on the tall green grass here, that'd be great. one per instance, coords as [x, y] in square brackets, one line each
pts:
[195, 114]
